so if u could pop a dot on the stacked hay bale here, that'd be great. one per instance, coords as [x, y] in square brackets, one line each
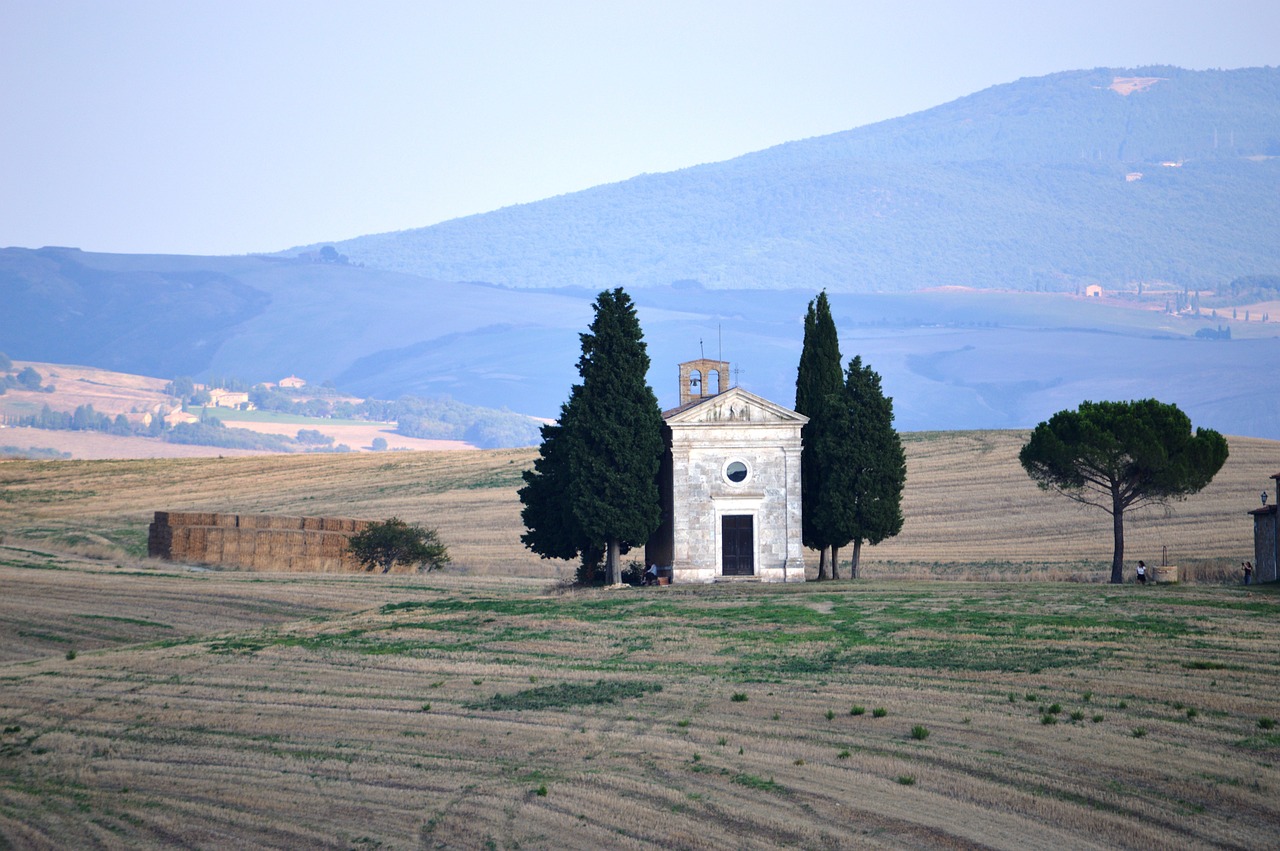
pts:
[256, 541]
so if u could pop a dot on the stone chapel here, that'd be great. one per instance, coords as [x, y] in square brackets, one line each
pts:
[730, 484]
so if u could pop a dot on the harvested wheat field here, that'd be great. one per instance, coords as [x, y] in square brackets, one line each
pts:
[151, 704]
[167, 707]
[971, 512]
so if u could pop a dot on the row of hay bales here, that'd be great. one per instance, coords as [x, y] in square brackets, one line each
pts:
[255, 541]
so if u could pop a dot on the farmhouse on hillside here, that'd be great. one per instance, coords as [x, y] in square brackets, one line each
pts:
[220, 398]
[730, 484]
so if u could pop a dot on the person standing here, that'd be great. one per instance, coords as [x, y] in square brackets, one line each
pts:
[1142, 572]
[1248, 572]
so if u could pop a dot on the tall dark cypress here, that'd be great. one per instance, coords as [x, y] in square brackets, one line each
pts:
[595, 484]
[868, 467]
[613, 483]
[819, 384]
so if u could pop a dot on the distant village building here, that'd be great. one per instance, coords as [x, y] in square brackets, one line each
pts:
[1093, 291]
[293, 382]
[220, 398]
[1266, 537]
[730, 484]
[178, 416]
[1133, 176]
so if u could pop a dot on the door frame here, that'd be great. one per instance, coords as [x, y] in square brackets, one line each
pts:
[736, 511]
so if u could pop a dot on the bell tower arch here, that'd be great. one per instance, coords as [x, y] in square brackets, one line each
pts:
[702, 378]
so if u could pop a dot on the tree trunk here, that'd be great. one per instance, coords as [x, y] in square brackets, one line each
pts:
[857, 558]
[835, 562]
[614, 563]
[1117, 556]
[822, 564]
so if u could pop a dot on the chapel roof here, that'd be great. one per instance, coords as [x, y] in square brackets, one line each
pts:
[683, 413]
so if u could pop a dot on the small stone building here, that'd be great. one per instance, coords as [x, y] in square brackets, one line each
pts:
[1266, 538]
[730, 484]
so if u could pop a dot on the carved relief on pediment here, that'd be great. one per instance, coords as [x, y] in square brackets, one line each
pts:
[737, 406]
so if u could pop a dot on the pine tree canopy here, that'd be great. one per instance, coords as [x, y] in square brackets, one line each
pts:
[1119, 455]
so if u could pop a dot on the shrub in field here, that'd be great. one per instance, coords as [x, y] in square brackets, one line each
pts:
[739, 697]
[1266, 723]
[907, 779]
[857, 710]
[394, 541]
[879, 712]
[919, 732]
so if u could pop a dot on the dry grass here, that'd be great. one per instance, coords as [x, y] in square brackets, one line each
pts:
[108, 392]
[147, 705]
[222, 709]
[971, 512]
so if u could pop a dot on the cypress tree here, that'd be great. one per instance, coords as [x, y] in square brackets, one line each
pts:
[868, 468]
[594, 487]
[819, 383]
[550, 530]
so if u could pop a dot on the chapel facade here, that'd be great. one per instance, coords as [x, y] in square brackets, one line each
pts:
[730, 484]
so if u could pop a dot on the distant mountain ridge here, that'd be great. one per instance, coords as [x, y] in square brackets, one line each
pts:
[1024, 187]
[1047, 183]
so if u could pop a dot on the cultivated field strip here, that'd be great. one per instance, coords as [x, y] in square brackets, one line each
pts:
[459, 712]
[971, 512]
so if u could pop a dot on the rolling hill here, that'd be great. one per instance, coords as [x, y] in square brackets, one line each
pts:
[1021, 192]
[950, 359]
[1108, 175]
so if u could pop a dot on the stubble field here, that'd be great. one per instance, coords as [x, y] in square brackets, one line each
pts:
[154, 705]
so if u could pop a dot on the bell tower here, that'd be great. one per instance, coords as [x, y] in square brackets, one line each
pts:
[703, 378]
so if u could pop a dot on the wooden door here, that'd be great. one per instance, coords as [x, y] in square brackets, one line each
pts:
[737, 545]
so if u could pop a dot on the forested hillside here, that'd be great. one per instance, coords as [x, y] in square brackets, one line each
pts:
[1109, 176]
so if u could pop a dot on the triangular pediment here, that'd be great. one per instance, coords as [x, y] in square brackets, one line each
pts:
[734, 406]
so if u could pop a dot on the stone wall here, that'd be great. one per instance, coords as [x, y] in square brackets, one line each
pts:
[256, 541]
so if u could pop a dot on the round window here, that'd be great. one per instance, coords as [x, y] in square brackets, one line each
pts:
[736, 472]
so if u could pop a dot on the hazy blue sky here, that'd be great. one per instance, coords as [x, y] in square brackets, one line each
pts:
[234, 126]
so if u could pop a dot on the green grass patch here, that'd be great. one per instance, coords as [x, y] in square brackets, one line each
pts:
[564, 695]
[751, 781]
